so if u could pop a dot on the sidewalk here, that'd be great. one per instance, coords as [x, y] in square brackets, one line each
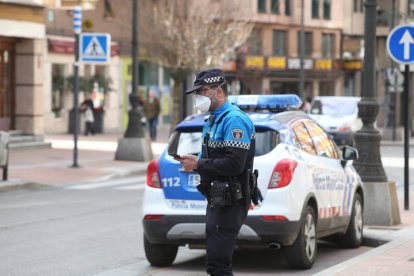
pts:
[53, 166]
[45, 167]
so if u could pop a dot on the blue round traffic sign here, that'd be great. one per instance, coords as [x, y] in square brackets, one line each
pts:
[400, 44]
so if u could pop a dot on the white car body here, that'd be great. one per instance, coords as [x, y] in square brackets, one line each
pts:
[327, 185]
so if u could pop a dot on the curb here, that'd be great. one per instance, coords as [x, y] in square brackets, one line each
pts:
[14, 185]
[9, 186]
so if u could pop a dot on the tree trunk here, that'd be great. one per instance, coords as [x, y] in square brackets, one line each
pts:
[177, 97]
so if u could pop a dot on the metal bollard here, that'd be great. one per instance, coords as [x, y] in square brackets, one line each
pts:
[4, 153]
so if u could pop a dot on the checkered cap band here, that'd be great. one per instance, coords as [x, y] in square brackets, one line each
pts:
[213, 79]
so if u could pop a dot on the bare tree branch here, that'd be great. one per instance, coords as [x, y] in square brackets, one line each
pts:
[188, 35]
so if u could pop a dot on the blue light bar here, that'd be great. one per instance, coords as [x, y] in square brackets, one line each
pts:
[285, 101]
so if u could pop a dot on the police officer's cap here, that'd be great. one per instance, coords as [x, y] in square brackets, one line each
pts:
[207, 77]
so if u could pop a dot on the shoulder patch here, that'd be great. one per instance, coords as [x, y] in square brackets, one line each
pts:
[237, 134]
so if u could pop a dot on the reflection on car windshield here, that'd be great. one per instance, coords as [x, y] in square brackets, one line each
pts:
[190, 142]
[335, 108]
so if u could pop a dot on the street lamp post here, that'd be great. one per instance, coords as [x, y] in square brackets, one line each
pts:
[302, 54]
[369, 165]
[134, 128]
[134, 146]
[77, 27]
[381, 205]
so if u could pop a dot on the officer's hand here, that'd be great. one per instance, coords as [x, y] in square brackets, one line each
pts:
[189, 162]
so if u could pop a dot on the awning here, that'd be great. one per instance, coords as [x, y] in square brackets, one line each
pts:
[22, 29]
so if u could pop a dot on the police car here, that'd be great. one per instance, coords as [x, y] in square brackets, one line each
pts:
[310, 188]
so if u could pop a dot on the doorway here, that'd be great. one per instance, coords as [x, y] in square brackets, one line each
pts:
[7, 83]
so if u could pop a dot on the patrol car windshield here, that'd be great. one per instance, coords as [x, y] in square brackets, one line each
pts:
[190, 142]
[333, 107]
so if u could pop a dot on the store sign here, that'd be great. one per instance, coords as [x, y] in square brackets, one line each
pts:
[256, 62]
[276, 63]
[352, 65]
[323, 64]
[294, 64]
[59, 46]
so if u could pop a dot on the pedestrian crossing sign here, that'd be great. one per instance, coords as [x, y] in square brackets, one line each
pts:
[94, 48]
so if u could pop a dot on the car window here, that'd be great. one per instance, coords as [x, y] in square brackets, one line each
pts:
[333, 107]
[190, 142]
[266, 141]
[302, 138]
[186, 142]
[323, 144]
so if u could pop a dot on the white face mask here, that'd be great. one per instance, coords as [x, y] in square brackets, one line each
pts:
[203, 103]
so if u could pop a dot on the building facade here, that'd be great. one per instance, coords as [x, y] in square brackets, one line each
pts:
[22, 38]
[113, 79]
[270, 60]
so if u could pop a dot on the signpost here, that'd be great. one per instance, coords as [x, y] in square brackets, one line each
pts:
[400, 46]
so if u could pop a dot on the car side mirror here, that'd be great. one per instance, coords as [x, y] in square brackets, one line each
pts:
[349, 153]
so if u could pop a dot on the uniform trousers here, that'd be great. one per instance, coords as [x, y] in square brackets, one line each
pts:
[222, 227]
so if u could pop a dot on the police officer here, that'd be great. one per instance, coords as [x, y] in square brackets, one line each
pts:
[227, 153]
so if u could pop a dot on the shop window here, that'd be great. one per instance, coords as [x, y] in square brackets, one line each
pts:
[167, 77]
[279, 43]
[326, 89]
[261, 6]
[315, 8]
[148, 73]
[328, 45]
[255, 42]
[88, 71]
[308, 49]
[287, 7]
[58, 89]
[274, 7]
[359, 6]
[101, 83]
[326, 9]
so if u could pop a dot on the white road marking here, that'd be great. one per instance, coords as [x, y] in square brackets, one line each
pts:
[140, 186]
[157, 148]
[125, 182]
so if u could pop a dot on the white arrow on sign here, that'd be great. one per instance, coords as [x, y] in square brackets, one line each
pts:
[406, 39]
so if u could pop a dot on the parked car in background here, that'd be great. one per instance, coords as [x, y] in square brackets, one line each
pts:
[338, 116]
[310, 188]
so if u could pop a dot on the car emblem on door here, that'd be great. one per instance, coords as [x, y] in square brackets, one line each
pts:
[193, 180]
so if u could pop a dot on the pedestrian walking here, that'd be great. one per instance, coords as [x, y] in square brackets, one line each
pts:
[224, 165]
[87, 110]
[152, 111]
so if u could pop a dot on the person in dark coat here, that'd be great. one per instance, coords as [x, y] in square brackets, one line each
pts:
[152, 110]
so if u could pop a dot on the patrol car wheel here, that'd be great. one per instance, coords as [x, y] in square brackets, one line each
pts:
[160, 254]
[353, 235]
[302, 253]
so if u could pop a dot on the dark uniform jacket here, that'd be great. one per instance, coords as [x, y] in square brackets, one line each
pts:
[230, 147]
